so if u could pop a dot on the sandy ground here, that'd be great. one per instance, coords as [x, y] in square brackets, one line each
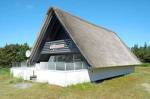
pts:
[146, 86]
[23, 85]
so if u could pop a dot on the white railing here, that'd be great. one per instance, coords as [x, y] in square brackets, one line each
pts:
[67, 65]
[62, 66]
[21, 64]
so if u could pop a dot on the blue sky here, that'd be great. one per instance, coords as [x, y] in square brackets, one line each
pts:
[21, 20]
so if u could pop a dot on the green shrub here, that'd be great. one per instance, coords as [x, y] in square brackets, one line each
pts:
[4, 71]
[145, 65]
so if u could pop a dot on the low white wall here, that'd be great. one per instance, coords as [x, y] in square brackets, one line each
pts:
[22, 72]
[64, 78]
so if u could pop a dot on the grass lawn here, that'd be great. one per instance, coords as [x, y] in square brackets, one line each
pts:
[133, 86]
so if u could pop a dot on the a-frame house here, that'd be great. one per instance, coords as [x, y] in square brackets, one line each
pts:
[80, 50]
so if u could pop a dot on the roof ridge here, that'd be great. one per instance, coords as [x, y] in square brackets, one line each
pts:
[55, 9]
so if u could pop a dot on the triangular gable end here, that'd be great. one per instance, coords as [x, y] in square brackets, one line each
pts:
[53, 32]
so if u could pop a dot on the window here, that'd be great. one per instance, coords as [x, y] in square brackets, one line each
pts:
[59, 58]
[77, 57]
[69, 58]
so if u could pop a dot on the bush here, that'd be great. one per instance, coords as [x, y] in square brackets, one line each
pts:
[13, 53]
[142, 52]
[146, 65]
[4, 71]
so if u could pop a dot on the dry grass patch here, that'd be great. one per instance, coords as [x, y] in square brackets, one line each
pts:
[124, 87]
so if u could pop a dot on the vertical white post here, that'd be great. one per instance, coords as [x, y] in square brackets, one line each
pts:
[55, 65]
[82, 64]
[65, 66]
[74, 63]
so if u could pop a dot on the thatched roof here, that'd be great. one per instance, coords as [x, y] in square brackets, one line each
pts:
[100, 46]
